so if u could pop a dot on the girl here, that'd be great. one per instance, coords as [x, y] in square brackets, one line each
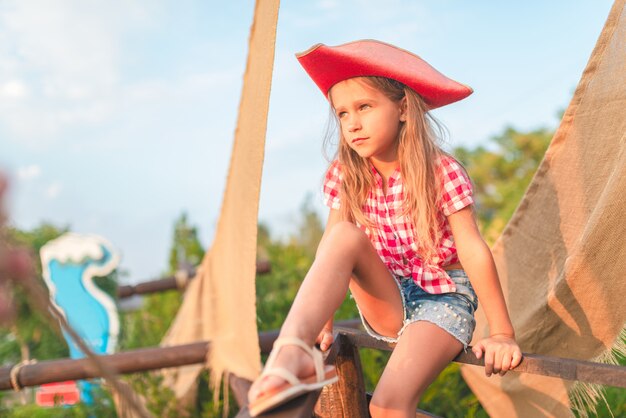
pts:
[401, 236]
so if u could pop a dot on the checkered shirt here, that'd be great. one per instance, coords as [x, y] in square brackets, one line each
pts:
[395, 239]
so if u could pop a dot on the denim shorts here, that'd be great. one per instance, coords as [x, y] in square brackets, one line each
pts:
[452, 311]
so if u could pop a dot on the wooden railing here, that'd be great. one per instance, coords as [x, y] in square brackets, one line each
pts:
[346, 398]
[131, 361]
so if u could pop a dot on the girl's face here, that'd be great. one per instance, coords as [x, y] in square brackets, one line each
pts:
[370, 121]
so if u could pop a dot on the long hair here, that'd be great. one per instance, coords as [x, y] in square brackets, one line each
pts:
[418, 154]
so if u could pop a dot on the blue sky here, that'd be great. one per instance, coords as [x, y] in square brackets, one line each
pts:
[116, 116]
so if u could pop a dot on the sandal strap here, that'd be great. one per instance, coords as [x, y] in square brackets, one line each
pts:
[282, 373]
[316, 355]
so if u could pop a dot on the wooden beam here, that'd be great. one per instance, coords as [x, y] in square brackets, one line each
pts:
[131, 361]
[152, 286]
[126, 362]
[174, 282]
[162, 357]
[568, 369]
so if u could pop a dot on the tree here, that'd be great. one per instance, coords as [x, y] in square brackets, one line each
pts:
[32, 335]
[501, 172]
[186, 248]
[147, 326]
[310, 228]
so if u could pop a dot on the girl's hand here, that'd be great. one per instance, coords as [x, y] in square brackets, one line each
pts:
[325, 339]
[501, 353]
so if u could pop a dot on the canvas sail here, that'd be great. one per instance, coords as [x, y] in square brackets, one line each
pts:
[219, 305]
[562, 257]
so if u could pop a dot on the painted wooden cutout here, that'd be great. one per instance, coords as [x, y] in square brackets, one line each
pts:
[70, 264]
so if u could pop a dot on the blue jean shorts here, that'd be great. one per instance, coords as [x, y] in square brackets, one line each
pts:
[452, 311]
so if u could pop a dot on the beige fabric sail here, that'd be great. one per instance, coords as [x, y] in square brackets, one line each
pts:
[219, 305]
[562, 257]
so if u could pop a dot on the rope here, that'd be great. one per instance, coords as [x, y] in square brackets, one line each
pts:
[15, 373]
[182, 278]
[39, 298]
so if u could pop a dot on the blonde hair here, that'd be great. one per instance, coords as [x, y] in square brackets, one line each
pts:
[418, 154]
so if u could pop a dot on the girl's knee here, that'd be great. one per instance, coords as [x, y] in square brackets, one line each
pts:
[348, 233]
[387, 402]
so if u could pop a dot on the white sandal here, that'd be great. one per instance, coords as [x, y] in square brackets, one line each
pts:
[293, 387]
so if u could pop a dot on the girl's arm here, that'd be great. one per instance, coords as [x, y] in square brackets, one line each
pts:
[500, 349]
[325, 338]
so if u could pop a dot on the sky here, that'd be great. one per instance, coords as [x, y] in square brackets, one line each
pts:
[118, 116]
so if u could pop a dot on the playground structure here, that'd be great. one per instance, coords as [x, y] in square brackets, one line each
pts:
[570, 229]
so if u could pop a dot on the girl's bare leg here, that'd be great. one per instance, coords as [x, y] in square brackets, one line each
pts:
[345, 253]
[421, 353]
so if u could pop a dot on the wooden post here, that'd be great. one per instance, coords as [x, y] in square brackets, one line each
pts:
[346, 398]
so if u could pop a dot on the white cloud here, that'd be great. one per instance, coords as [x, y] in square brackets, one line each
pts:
[53, 190]
[62, 61]
[13, 89]
[74, 73]
[67, 45]
[28, 172]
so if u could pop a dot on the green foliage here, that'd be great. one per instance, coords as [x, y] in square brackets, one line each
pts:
[32, 335]
[310, 228]
[373, 363]
[38, 237]
[276, 290]
[160, 400]
[205, 406]
[186, 247]
[147, 326]
[615, 405]
[501, 172]
[450, 396]
[102, 408]
[35, 335]
[108, 284]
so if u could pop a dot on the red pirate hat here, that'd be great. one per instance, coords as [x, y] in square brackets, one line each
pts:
[328, 65]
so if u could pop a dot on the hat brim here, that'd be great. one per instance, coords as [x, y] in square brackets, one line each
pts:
[328, 65]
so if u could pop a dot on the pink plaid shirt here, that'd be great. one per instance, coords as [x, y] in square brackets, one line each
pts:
[395, 239]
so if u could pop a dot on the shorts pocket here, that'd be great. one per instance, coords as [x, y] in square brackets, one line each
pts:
[464, 287]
